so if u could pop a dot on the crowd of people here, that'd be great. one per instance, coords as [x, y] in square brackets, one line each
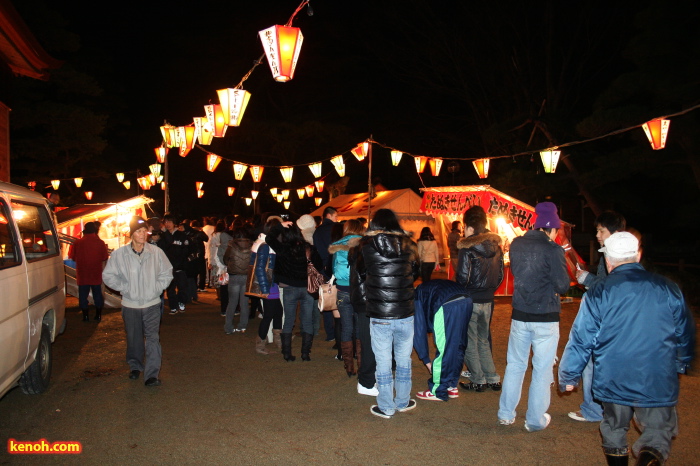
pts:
[381, 316]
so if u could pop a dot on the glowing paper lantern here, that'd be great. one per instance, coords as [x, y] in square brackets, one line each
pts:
[256, 172]
[280, 197]
[435, 166]
[420, 163]
[231, 190]
[550, 158]
[287, 173]
[339, 165]
[127, 184]
[285, 193]
[656, 131]
[151, 180]
[215, 117]
[55, 184]
[396, 157]
[88, 195]
[309, 190]
[168, 135]
[120, 178]
[248, 200]
[254, 194]
[162, 185]
[287, 204]
[186, 134]
[78, 182]
[233, 104]
[282, 45]
[318, 201]
[161, 152]
[273, 191]
[154, 168]
[360, 152]
[319, 185]
[213, 161]
[143, 182]
[482, 167]
[239, 170]
[316, 169]
[159, 179]
[301, 192]
[200, 193]
[199, 185]
[203, 132]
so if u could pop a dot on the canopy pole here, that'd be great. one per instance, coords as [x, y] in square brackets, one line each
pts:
[370, 191]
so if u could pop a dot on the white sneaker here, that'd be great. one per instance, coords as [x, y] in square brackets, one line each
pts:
[547, 419]
[181, 307]
[506, 422]
[466, 374]
[367, 391]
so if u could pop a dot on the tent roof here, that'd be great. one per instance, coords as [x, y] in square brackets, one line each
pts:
[404, 202]
[66, 216]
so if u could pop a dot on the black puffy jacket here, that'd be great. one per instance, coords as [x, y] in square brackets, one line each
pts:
[480, 268]
[386, 267]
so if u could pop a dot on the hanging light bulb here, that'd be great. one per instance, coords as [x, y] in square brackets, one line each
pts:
[239, 170]
[287, 204]
[213, 161]
[360, 151]
[215, 117]
[482, 167]
[420, 163]
[550, 158]
[309, 190]
[318, 201]
[231, 190]
[248, 200]
[154, 168]
[88, 195]
[656, 131]
[254, 194]
[256, 171]
[200, 193]
[316, 169]
[127, 184]
[55, 184]
[285, 193]
[319, 185]
[78, 182]
[120, 178]
[280, 197]
[287, 173]
[396, 157]
[273, 191]
[339, 165]
[435, 166]
[301, 192]
[233, 104]
[282, 45]
[161, 152]
[203, 131]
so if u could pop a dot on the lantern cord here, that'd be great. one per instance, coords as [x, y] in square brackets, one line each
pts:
[255, 65]
[302, 5]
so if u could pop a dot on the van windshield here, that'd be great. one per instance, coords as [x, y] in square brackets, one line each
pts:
[35, 229]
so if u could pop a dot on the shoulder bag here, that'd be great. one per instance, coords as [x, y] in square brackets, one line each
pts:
[328, 296]
[315, 278]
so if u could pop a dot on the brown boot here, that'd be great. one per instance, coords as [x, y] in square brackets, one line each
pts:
[260, 346]
[358, 353]
[276, 338]
[346, 347]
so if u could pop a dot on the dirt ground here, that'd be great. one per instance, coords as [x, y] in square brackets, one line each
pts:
[220, 402]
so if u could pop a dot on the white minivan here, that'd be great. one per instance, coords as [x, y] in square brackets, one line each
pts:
[32, 289]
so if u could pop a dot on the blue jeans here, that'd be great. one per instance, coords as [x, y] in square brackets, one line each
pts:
[590, 409]
[84, 292]
[543, 337]
[291, 295]
[478, 356]
[397, 334]
[236, 297]
[347, 316]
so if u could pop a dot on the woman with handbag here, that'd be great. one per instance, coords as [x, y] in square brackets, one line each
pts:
[294, 255]
[428, 253]
[352, 232]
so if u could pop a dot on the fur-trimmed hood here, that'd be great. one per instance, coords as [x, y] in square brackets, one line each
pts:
[344, 244]
[397, 232]
[485, 244]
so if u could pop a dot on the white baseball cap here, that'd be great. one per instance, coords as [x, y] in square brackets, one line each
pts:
[620, 245]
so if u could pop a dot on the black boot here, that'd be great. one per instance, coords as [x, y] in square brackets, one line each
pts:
[338, 346]
[287, 347]
[616, 456]
[98, 314]
[307, 340]
[86, 318]
[649, 456]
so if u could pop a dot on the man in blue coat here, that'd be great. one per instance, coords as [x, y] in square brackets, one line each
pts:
[639, 332]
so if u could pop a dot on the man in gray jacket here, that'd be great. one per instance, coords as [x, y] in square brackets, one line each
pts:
[140, 272]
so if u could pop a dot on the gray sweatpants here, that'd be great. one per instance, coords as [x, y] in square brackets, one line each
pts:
[143, 324]
[658, 426]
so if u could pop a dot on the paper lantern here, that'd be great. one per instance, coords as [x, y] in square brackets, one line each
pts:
[285, 193]
[273, 191]
[420, 163]
[88, 195]
[435, 166]
[203, 131]
[309, 190]
[280, 197]
[159, 178]
[239, 170]
[316, 169]
[199, 185]
[215, 117]
[154, 168]
[396, 157]
[248, 200]
[233, 104]
[339, 165]
[127, 184]
[231, 190]
[319, 185]
[120, 178]
[78, 182]
[168, 135]
[151, 180]
[301, 192]
[254, 194]
[656, 131]
[287, 173]
[482, 167]
[318, 201]
[287, 204]
[256, 172]
[213, 161]
[161, 152]
[200, 193]
[162, 185]
[186, 135]
[550, 158]
[282, 45]
[144, 183]
[56, 183]
[360, 151]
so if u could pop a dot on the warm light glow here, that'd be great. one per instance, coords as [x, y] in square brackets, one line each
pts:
[319, 185]
[127, 184]
[200, 193]
[231, 190]
[162, 185]
[88, 195]
[396, 157]
[213, 161]
[285, 193]
[159, 178]
[120, 178]
[151, 179]
[309, 190]
[199, 185]
[316, 169]
[282, 45]
[154, 168]
[656, 131]
[301, 192]
[435, 166]
[550, 158]
[482, 167]
[256, 171]
[501, 222]
[254, 194]
[165, 130]
[360, 152]
[339, 165]
[78, 182]
[318, 201]
[233, 104]
[280, 197]
[239, 170]
[420, 163]
[215, 117]
[203, 132]
[161, 152]
[273, 191]
[56, 183]
[144, 182]
[287, 204]
[287, 173]
[174, 136]
[248, 200]
[186, 139]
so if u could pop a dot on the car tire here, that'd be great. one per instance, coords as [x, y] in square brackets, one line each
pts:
[36, 378]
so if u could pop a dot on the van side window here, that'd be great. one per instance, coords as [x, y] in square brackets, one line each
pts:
[9, 256]
[35, 229]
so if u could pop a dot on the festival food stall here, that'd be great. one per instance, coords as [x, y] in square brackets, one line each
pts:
[507, 216]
